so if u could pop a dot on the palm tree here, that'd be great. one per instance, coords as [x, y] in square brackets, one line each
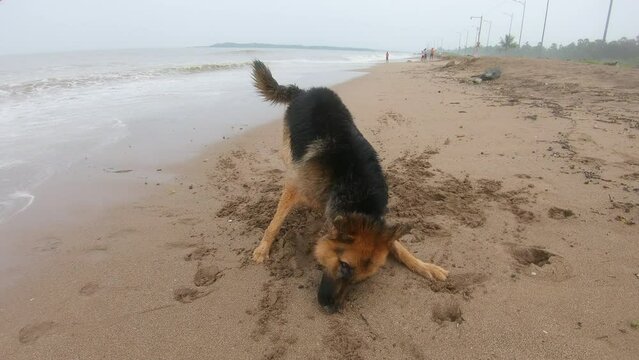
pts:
[507, 42]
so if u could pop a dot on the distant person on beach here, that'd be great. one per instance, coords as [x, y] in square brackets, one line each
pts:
[432, 53]
[387, 56]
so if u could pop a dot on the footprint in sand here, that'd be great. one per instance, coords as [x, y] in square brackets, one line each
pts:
[30, 333]
[200, 253]
[49, 243]
[559, 213]
[89, 289]
[539, 263]
[207, 275]
[187, 295]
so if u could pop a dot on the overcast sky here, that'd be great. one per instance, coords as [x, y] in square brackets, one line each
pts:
[61, 25]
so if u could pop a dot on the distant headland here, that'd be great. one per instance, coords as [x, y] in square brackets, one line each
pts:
[280, 46]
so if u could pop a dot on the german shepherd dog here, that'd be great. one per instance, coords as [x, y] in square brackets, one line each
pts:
[331, 166]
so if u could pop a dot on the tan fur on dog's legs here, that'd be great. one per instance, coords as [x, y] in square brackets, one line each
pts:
[427, 270]
[290, 197]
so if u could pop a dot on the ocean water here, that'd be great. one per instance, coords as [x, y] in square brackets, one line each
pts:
[57, 110]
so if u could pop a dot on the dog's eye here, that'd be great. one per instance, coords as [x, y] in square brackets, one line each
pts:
[345, 270]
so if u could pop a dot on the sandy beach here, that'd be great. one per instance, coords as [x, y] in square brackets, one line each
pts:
[525, 188]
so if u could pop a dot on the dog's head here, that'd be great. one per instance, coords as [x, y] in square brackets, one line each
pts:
[354, 249]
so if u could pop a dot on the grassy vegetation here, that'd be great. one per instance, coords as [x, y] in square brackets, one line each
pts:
[624, 51]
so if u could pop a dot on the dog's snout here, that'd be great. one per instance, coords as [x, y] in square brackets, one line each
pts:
[331, 292]
[326, 292]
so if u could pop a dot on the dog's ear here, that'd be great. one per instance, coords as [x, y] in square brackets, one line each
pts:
[395, 232]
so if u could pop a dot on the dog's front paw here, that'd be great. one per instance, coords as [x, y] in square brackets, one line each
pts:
[438, 273]
[260, 254]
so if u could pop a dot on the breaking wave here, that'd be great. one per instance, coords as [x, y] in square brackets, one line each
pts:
[43, 85]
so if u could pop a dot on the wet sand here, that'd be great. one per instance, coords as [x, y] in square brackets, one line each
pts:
[526, 188]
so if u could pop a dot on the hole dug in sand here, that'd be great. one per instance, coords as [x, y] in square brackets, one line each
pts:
[447, 311]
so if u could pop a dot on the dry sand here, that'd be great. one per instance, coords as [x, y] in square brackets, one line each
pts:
[526, 188]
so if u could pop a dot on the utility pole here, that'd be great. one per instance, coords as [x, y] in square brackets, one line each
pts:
[490, 26]
[466, 45]
[511, 22]
[478, 44]
[523, 14]
[459, 46]
[544, 31]
[607, 21]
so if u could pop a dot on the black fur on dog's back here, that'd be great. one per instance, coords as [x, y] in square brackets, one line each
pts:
[322, 131]
[317, 119]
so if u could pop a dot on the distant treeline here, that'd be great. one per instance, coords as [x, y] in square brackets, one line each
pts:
[624, 50]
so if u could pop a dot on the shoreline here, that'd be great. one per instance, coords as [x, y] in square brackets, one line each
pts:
[134, 160]
[124, 186]
[120, 112]
[146, 183]
[170, 276]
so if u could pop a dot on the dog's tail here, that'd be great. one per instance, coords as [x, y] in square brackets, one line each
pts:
[269, 88]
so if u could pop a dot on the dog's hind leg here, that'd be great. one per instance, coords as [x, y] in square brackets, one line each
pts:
[426, 270]
[289, 198]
